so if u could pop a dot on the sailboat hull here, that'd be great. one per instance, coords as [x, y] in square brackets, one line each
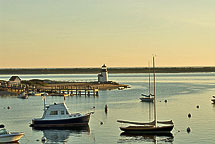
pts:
[148, 129]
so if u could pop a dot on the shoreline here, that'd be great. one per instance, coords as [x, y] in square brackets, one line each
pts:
[26, 71]
[84, 85]
[54, 86]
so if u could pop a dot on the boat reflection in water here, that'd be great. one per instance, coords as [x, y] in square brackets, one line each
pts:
[154, 138]
[11, 143]
[61, 135]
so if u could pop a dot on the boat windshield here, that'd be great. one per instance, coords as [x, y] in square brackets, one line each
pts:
[3, 131]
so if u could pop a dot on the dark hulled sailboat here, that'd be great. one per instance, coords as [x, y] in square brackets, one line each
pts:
[154, 127]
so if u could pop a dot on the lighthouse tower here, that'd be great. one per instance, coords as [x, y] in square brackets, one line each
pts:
[103, 76]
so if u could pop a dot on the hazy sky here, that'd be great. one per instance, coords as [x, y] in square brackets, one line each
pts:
[119, 33]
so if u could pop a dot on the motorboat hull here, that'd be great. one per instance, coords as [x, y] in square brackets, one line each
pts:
[148, 129]
[60, 123]
[11, 137]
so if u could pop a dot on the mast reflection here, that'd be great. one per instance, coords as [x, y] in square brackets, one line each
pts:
[154, 138]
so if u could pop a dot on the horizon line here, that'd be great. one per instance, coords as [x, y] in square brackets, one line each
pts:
[114, 67]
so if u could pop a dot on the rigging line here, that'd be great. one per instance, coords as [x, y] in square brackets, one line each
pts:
[177, 131]
[101, 122]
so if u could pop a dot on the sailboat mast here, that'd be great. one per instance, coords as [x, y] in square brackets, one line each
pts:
[44, 102]
[149, 81]
[155, 113]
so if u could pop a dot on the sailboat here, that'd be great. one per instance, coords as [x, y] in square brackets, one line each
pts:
[154, 127]
[149, 97]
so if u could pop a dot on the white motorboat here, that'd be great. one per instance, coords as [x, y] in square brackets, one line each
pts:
[8, 137]
[57, 115]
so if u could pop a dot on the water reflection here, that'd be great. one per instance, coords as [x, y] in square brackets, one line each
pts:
[213, 104]
[150, 138]
[61, 135]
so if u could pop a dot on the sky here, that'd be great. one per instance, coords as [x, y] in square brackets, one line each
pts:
[118, 33]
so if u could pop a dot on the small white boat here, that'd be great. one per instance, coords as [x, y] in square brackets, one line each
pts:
[8, 137]
[121, 88]
[23, 95]
[149, 97]
[41, 94]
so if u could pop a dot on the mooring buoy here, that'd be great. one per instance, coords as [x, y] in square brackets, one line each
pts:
[106, 108]
[43, 139]
[188, 130]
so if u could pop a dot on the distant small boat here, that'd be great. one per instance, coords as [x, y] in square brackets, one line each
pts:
[41, 94]
[9, 137]
[149, 97]
[23, 95]
[121, 88]
[57, 115]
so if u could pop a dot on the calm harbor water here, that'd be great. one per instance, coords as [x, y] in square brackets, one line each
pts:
[183, 92]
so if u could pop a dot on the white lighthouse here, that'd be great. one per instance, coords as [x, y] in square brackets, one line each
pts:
[103, 76]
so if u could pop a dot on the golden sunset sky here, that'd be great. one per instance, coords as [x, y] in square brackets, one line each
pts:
[119, 33]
